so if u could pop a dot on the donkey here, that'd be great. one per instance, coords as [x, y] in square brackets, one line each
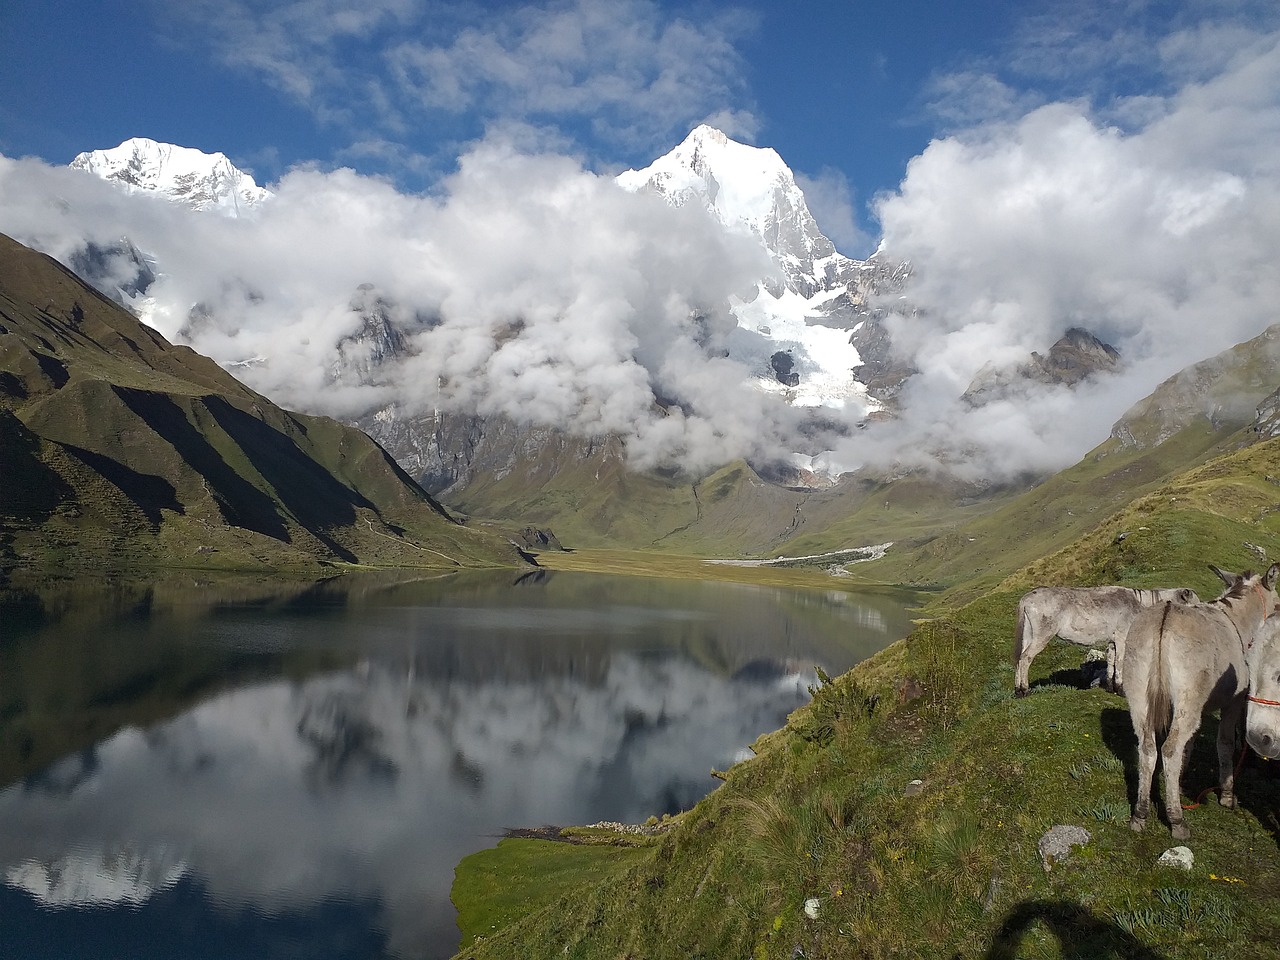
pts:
[1089, 616]
[1183, 659]
[1262, 719]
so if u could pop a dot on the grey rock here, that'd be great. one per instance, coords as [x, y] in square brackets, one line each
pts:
[1179, 857]
[1055, 846]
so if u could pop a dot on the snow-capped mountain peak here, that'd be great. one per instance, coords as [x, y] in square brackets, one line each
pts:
[807, 333]
[204, 181]
[741, 184]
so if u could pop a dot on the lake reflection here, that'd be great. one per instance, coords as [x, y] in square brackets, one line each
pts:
[298, 774]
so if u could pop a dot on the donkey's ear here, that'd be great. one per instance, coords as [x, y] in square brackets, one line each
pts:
[1228, 578]
[1269, 580]
[1187, 596]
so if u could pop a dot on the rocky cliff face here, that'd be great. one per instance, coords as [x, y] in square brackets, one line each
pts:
[1077, 356]
[1267, 422]
[366, 354]
[449, 453]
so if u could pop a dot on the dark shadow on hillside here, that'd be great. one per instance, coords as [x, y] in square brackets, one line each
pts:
[32, 491]
[309, 491]
[1067, 677]
[1257, 780]
[240, 502]
[1116, 730]
[314, 496]
[1081, 934]
[306, 490]
[145, 491]
[1258, 791]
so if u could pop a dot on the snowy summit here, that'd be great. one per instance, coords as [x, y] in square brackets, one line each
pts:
[745, 187]
[798, 330]
[184, 175]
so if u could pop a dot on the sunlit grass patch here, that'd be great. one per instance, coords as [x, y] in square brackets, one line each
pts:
[493, 887]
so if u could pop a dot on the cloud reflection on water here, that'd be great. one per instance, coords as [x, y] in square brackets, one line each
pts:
[372, 783]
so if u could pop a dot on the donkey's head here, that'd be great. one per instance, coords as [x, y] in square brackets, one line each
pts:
[1245, 585]
[1262, 721]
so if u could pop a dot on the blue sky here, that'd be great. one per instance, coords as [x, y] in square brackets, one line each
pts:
[847, 92]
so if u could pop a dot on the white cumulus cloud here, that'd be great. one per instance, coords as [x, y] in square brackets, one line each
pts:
[1160, 240]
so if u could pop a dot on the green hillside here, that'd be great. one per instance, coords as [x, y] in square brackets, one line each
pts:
[945, 532]
[121, 450]
[826, 813]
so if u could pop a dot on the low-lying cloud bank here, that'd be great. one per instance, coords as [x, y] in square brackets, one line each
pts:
[534, 288]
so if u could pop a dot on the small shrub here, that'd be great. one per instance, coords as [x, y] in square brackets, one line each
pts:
[956, 841]
[839, 707]
[1218, 914]
[1178, 899]
[1137, 921]
[1107, 811]
[791, 840]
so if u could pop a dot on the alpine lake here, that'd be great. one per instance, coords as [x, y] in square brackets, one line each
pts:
[229, 767]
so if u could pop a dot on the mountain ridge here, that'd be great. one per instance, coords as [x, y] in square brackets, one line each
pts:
[123, 450]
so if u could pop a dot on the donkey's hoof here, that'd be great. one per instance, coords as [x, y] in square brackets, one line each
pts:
[1228, 800]
[1181, 831]
[1137, 824]
[1019, 692]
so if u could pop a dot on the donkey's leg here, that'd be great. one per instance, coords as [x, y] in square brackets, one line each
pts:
[1226, 746]
[1146, 763]
[1115, 664]
[1035, 636]
[1173, 755]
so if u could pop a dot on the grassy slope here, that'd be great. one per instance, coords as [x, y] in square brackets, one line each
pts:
[556, 869]
[731, 512]
[943, 531]
[976, 555]
[820, 812]
[123, 450]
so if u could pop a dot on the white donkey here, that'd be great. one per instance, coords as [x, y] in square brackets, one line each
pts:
[1089, 616]
[1183, 659]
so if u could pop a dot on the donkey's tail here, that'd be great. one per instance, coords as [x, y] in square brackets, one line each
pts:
[1159, 702]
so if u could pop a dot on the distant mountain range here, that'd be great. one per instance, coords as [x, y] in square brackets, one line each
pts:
[121, 450]
[811, 331]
